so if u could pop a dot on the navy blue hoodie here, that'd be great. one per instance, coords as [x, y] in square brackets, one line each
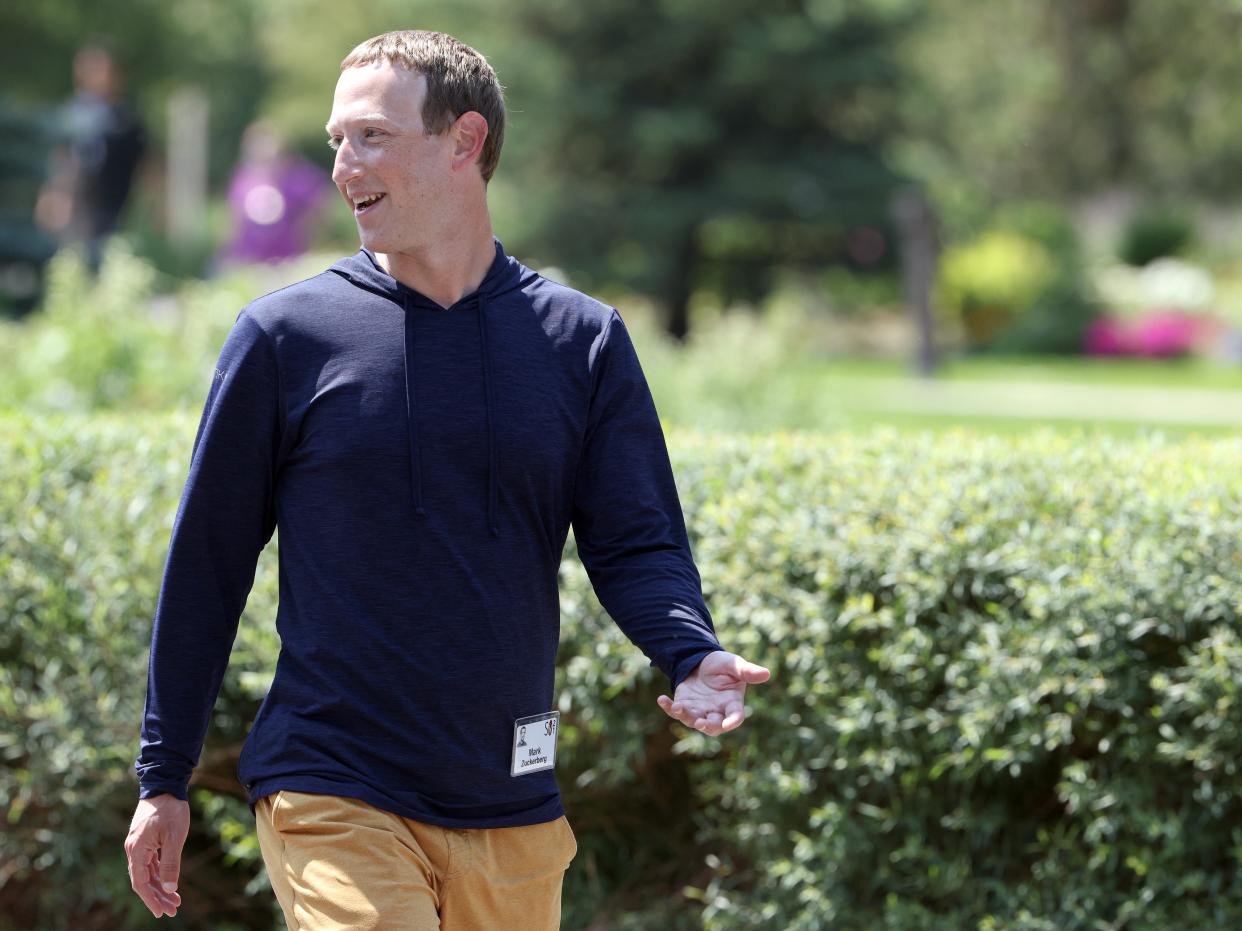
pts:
[424, 466]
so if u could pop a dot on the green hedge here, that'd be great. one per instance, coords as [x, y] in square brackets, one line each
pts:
[1005, 690]
[132, 340]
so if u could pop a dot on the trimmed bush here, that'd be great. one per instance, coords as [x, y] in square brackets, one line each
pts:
[1019, 286]
[1004, 687]
[116, 343]
[1156, 231]
[1005, 690]
[993, 280]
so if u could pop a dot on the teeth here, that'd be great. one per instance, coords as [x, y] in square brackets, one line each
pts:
[367, 201]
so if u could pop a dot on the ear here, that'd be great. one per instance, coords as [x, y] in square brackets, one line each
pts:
[469, 132]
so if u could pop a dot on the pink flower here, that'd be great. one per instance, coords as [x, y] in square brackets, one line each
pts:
[1107, 336]
[1159, 334]
[1165, 333]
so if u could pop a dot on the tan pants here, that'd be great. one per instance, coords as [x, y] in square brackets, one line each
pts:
[340, 864]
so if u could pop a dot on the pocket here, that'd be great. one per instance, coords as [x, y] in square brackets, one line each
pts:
[275, 800]
[265, 808]
[571, 840]
[317, 813]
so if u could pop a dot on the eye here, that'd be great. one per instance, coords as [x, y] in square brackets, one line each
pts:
[334, 142]
[371, 132]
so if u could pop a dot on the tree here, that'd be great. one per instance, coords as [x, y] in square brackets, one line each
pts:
[1051, 99]
[700, 142]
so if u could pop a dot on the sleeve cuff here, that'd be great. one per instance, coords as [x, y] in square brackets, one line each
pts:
[684, 667]
[150, 790]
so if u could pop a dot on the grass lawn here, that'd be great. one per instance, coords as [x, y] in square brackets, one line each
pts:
[1176, 373]
[990, 394]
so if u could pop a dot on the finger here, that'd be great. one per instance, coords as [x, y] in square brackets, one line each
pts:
[677, 711]
[140, 883]
[167, 901]
[170, 865]
[164, 901]
[133, 880]
[171, 896]
[683, 714]
[698, 711]
[709, 723]
[735, 714]
[667, 705]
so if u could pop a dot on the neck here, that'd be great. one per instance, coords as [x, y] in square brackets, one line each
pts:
[449, 268]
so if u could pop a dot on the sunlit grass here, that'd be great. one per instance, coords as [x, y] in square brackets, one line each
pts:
[754, 373]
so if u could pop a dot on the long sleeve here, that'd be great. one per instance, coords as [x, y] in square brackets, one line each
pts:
[225, 518]
[627, 518]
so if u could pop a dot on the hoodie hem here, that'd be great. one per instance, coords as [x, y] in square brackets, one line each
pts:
[524, 812]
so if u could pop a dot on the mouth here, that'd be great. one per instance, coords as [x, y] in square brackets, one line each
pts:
[366, 202]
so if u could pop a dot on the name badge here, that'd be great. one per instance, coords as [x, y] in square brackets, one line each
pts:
[534, 743]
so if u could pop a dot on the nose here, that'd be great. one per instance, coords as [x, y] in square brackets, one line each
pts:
[345, 167]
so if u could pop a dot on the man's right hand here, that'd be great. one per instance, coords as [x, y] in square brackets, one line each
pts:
[153, 847]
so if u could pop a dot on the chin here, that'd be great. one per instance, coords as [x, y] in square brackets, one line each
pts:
[373, 242]
[386, 246]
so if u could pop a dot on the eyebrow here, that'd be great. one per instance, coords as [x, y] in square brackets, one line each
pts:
[362, 118]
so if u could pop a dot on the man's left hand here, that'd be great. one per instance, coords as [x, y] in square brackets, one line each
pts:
[712, 698]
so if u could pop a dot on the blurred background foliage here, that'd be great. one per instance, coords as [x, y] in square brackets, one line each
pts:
[1005, 661]
[691, 152]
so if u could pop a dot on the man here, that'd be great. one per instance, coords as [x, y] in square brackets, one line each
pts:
[423, 421]
[92, 179]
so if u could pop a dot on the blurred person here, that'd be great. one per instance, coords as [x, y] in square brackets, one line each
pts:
[273, 196]
[423, 421]
[93, 173]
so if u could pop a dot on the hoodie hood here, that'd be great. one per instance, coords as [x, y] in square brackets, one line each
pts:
[504, 275]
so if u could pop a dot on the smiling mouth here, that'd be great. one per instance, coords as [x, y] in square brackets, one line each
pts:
[362, 206]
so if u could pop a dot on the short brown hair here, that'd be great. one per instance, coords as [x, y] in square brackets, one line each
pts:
[459, 80]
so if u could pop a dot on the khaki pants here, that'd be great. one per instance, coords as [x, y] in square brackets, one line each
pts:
[340, 864]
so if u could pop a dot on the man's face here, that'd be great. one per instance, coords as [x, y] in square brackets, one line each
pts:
[95, 72]
[395, 177]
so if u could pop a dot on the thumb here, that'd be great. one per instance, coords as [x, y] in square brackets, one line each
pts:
[170, 867]
[734, 666]
[751, 673]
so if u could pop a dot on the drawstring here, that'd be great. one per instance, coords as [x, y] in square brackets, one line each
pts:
[411, 415]
[487, 406]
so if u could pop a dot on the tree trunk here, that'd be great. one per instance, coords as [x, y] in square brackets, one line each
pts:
[919, 252]
[681, 284]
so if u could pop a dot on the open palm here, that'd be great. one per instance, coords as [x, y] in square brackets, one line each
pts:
[712, 699]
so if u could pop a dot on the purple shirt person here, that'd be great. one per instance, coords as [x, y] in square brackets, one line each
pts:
[272, 197]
